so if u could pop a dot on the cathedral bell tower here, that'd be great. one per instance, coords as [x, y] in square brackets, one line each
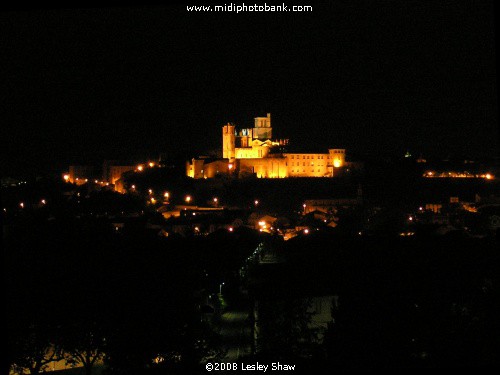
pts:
[228, 141]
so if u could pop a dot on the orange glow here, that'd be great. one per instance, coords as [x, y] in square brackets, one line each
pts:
[150, 191]
[306, 231]
[21, 205]
[216, 200]
[188, 198]
[262, 223]
[336, 163]
[151, 164]
[488, 176]
[66, 177]
[230, 166]
[43, 201]
[133, 186]
[140, 168]
[166, 194]
[230, 229]
[256, 202]
[153, 200]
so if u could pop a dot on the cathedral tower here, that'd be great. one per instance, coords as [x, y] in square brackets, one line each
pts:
[262, 129]
[228, 141]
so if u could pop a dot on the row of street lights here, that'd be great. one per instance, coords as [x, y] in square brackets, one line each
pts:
[189, 198]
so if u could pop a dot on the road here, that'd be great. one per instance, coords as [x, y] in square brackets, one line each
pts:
[235, 329]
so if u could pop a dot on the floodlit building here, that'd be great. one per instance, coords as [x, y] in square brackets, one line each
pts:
[252, 152]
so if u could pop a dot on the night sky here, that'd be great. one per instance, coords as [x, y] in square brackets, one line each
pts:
[82, 85]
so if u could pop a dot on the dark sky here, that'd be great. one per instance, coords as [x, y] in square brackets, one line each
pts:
[85, 84]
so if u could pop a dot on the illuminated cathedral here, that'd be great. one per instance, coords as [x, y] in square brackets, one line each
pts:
[252, 152]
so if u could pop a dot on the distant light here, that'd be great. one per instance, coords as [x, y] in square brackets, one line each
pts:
[21, 205]
[166, 194]
[256, 202]
[96, 181]
[262, 223]
[304, 205]
[230, 166]
[420, 208]
[43, 201]
[197, 229]
[188, 198]
[260, 230]
[133, 186]
[140, 168]
[194, 213]
[216, 200]
[306, 231]
[86, 180]
[151, 164]
[66, 177]
[230, 229]
[488, 176]
[153, 200]
[150, 191]
[410, 218]
[336, 163]
[107, 183]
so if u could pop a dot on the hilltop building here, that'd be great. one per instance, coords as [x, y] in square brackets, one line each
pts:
[252, 151]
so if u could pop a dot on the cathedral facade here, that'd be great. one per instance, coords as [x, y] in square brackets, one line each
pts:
[253, 152]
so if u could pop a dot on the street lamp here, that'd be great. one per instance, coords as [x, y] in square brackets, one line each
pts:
[220, 288]
[188, 198]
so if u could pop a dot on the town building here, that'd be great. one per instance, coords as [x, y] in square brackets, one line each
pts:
[253, 152]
